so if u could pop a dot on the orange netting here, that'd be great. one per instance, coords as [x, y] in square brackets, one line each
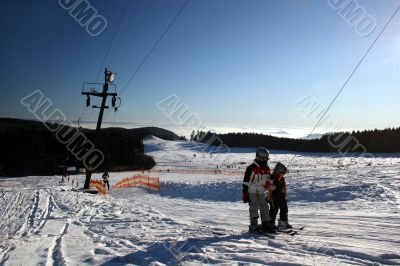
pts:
[99, 185]
[139, 181]
[197, 171]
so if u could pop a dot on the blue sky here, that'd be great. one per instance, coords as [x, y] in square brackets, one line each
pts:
[237, 64]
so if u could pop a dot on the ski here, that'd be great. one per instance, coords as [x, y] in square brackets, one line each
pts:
[249, 233]
[259, 231]
[269, 235]
[290, 231]
[218, 233]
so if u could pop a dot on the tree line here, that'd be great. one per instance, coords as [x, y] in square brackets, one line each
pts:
[371, 141]
[31, 149]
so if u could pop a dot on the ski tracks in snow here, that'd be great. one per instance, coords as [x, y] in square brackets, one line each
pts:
[32, 222]
[55, 253]
[188, 222]
[17, 210]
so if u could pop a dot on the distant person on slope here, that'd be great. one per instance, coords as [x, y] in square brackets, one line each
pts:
[278, 199]
[105, 179]
[63, 177]
[257, 185]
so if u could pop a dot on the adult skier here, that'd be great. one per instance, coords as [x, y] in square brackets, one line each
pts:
[278, 199]
[257, 185]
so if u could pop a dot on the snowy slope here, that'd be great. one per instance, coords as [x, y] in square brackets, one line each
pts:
[351, 212]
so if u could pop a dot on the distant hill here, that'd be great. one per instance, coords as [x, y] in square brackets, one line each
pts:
[155, 131]
[372, 141]
[8, 123]
[29, 148]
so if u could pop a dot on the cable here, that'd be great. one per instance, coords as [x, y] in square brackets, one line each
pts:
[130, 22]
[154, 46]
[123, 55]
[112, 39]
[82, 115]
[83, 112]
[349, 78]
[115, 116]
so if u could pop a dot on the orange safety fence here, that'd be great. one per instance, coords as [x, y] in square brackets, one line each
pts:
[99, 185]
[139, 181]
[197, 171]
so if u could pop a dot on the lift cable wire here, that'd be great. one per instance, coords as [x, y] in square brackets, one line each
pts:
[123, 54]
[125, 34]
[84, 109]
[125, 8]
[154, 46]
[349, 78]
[133, 37]
[112, 39]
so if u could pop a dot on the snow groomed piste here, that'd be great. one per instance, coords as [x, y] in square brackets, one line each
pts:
[349, 210]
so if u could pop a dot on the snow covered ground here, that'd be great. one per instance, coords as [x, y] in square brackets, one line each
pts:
[351, 214]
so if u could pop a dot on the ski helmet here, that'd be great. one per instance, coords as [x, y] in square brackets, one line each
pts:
[262, 154]
[280, 168]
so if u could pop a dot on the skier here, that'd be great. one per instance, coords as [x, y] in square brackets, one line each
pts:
[257, 184]
[105, 179]
[66, 175]
[278, 199]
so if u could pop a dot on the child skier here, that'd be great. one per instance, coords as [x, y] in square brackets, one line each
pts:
[278, 199]
[105, 180]
[257, 184]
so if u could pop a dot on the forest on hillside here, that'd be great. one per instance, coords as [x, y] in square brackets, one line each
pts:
[29, 148]
[371, 141]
